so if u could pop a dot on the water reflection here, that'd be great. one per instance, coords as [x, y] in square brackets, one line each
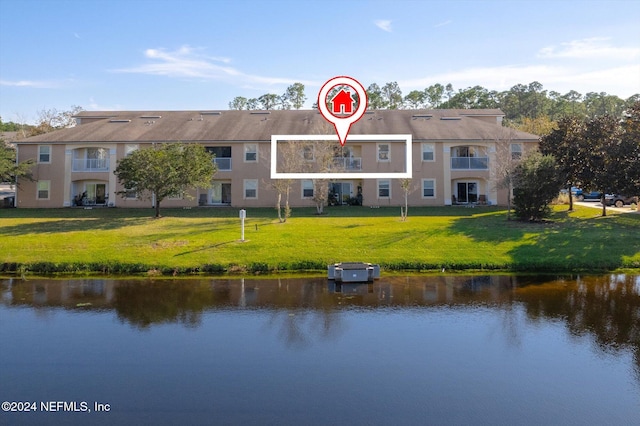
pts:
[450, 349]
[604, 307]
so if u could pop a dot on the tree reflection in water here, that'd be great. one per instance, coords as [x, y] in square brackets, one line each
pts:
[605, 307]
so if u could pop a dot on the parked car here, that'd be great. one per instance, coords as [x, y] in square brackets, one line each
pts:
[620, 200]
[575, 191]
[590, 196]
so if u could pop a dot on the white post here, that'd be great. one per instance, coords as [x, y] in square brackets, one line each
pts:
[243, 215]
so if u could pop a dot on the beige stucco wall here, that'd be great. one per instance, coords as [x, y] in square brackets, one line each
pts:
[64, 181]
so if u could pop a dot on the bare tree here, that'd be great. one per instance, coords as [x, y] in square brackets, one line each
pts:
[52, 119]
[405, 184]
[506, 160]
[290, 160]
[324, 153]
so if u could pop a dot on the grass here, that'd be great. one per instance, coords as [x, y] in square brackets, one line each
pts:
[206, 240]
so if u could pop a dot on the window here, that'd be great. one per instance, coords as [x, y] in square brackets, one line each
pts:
[307, 153]
[129, 148]
[44, 153]
[222, 156]
[384, 189]
[250, 153]
[307, 189]
[469, 157]
[516, 151]
[383, 152]
[44, 187]
[250, 188]
[130, 193]
[428, 152]
[428, 188]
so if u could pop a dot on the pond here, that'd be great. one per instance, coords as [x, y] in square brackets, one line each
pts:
[499, 349]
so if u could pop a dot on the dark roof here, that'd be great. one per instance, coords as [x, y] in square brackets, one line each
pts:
[227, 126]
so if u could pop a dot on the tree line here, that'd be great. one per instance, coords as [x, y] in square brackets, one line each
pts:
[520, 103]
[600, 154]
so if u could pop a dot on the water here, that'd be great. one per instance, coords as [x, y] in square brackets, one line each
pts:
[405, 350]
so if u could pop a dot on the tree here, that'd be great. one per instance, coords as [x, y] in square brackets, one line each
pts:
[610, 156]
[566, 145]
[505, 162]
[392, 95]
[433, 95]
[239, 103]
[374, 95]
[630, 138]
[323, 156]
[9, 169]
[252, 104]
[536, 184]
[268, 101]
[52, 119]
[405, 184]
[166, 170]
[415, 99]
[290, 160]
[295, 95]
[542, 125]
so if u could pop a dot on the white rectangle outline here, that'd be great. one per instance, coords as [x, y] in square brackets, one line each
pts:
[355, 175]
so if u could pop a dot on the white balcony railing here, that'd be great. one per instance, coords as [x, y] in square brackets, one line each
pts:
[349, 163]
[90, 165]
[470, 163]
[223, 163]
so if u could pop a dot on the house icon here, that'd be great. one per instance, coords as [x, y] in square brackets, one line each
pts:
[343, 102]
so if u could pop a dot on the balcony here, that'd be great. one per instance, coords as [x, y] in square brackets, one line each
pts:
[348, 164]
[90, 165]
[469, 163]
[223, 163]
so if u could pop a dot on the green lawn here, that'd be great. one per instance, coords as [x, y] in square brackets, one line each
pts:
[207, 240]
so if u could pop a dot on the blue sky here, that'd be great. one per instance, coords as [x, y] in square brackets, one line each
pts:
[198, 54]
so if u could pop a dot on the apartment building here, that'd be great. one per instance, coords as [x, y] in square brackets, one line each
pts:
[457, 157]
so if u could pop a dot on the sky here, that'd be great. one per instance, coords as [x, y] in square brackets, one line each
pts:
[200, 54]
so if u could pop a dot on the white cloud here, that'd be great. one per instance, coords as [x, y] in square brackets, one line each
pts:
[442, 24]
[383, 24]
[589, 48]
[36, 84]
[188, 62]
[622, 81]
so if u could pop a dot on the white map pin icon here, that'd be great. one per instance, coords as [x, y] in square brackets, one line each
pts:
[342, 124]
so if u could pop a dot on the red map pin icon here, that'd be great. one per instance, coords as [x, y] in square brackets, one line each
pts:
[343, 112]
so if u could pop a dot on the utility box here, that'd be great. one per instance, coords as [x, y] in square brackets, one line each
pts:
[243, 214]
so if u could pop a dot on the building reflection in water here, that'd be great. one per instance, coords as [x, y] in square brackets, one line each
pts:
[606, 307]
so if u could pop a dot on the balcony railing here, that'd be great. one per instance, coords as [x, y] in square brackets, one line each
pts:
[223, 163]
[90, 165]
[350, 163]
[470, 163]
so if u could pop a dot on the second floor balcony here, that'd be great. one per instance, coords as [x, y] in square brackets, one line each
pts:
[470, 163]
[90, 165]
[223, 163]
[348, 163]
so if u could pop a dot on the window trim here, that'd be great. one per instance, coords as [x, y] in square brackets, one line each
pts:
[518, 154]
[244, 189]
[388, 150]
[309, 149]
[40, 154]
[247, 150]
[428, 197]
[130, 148]
[302, 189]
[48, 184]
[433, 152]
[388, 181]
